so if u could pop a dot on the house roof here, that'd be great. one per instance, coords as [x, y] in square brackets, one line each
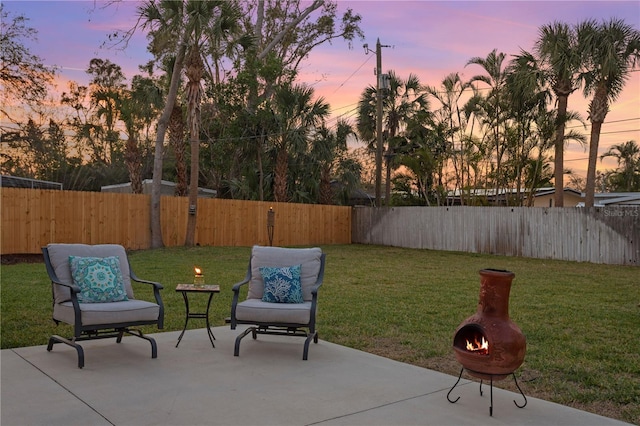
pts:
[617, 198]
[547, 191]
[490, 192]
[20, 182]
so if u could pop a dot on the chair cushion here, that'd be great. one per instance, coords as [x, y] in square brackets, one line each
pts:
[282, 284]
[99, 278]
[257, 311]
[262, 256]
[108, 313]
[59, 257]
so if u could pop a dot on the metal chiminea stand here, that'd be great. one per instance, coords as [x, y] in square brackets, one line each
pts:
[491, 391]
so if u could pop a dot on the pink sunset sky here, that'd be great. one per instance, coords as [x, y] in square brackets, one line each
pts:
[428, 38]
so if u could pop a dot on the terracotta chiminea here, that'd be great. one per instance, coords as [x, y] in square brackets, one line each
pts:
[488, 344]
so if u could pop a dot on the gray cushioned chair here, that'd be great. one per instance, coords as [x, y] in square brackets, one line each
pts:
[291, 319]
[98, 320]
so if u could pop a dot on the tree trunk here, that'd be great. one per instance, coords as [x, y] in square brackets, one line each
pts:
[192, 218]
[176, 139]
[598, 109]
[591, 170]
[280, 178]
[497, 165]
[326, 194]
[559, 152]
[163, 122]
[194, 74]
[132, 160]
[387, 188]
[260, 147]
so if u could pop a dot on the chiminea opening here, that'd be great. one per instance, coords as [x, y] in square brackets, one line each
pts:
[488, 345]
[470, 338]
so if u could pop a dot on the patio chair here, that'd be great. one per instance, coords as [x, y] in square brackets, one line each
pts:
[91, 289]
[282, 297]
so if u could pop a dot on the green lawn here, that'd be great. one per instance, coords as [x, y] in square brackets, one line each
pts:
[581, 320]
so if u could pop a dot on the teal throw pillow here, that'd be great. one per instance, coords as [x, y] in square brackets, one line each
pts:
[99, 278]
[282, 284]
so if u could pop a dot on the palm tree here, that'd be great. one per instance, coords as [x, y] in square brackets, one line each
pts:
[451, 115]
[107, 86]
[492, 105]
[176, 128]
[168, 33]
[296, 114]
[611, 51]
[628, 156]
[329, 154]
[194, 71]
[175, 28]
[527, 100]
[557, 50]
[138, 108]
[405, 99]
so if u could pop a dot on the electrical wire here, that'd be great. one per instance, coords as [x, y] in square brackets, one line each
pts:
[352, 74]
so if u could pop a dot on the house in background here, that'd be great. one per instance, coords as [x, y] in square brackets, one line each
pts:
[544, 197]
[167, 188]
[625, 199]
[20, 182]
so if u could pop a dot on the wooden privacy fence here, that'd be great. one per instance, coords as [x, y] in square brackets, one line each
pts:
[599, 235]
[32, 218]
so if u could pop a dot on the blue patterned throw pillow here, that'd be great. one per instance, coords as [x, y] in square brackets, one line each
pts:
[282, 284]
[99, 278]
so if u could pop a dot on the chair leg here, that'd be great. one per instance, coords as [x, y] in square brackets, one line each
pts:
[312, 336]
[120, 334]
[252, 330]
[138, 333]
[59, 339]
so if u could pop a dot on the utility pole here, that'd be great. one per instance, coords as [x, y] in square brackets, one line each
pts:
[381, 84]
[379, 147]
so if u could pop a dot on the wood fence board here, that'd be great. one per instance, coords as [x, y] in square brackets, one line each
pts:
[599, 235]
[32, 218]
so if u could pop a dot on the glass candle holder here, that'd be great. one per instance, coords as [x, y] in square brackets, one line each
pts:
[198, 278]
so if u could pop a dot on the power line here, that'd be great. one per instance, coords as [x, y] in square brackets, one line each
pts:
[346, 106]
[624, 119]
[620, 131]
[607, 122]
[577, 159]
[352, 74]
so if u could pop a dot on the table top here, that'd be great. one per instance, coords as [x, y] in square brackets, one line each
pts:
[206, 288]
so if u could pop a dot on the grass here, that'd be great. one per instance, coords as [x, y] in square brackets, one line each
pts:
[581, 320]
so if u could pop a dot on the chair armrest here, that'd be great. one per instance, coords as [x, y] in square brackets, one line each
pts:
[314, 289]
[236, 286]
[155, 284]
[314, 293]
[74, 288]
[247, 278]
[156, 293]
[52, 273]
[236, 295]
[320, 279]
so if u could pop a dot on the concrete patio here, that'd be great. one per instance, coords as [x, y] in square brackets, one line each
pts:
[268, 384]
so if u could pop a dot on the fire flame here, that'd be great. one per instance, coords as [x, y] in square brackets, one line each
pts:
[197, 270]
[480, 347]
